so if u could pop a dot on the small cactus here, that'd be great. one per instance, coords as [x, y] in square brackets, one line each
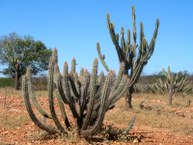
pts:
[172, 84]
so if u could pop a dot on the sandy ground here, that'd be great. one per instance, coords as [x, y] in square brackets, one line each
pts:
[17, 128]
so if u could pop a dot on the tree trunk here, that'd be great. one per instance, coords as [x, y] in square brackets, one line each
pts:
[16, 78]
[128, 98]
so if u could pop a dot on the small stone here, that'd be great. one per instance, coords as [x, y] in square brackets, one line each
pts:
[135, 140]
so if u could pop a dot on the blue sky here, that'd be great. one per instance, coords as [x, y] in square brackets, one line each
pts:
[75, 26]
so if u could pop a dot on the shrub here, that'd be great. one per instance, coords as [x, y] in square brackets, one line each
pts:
[6, 82]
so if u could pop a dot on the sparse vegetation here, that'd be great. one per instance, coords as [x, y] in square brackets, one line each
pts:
[174, 123]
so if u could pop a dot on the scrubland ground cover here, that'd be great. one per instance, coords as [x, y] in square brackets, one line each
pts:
[156, 122]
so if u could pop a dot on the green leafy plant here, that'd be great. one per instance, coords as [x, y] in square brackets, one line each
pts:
[6, 82]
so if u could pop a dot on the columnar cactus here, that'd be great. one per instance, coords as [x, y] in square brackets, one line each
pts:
[88, 95]
[172, 84]
[131, 60]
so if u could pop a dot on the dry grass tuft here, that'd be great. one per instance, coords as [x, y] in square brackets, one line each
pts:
[71, 138]
[11, 122]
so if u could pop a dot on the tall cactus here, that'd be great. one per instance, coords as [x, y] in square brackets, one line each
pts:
[131, 60]
[172, 84]
[88, 95]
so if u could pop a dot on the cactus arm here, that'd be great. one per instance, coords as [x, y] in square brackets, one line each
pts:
[74, 79]
[115, 39]
[66, 88]
[152, 43]
[50, 95]
[123, 43]
[100, 82]
[165, 73]
[118, 79]
[61, 95]
[82, 72]
[92, 94]
[84, 91]
[100, 79]
[73, 86]
[33, 96]
[82, 101]
[118, 85]
[55, 56]
[134, 25]
[183, 82]
[73, 66]
[29, 108]
[59, 86]
[187, 88]
[65, 84]
[102, 57]
[62, 110]
[141, 43]
[134, 46]
[169, 75]
[123, 87]
[130, 125]
[102, 110]
[77, 85]
[176, 79]
[136, 74]
[128, 45]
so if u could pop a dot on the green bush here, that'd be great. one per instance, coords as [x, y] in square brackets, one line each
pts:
[6, 82]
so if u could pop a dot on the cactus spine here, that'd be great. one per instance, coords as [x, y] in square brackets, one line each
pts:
[131, 60]
[88, 95]
[172, 84]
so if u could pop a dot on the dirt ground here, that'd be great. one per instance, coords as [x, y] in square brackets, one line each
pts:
[17, 128]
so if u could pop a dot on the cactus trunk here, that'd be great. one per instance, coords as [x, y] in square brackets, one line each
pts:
[170, 97]
[128, 98]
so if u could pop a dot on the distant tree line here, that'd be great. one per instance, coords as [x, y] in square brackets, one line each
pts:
[40, 82]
